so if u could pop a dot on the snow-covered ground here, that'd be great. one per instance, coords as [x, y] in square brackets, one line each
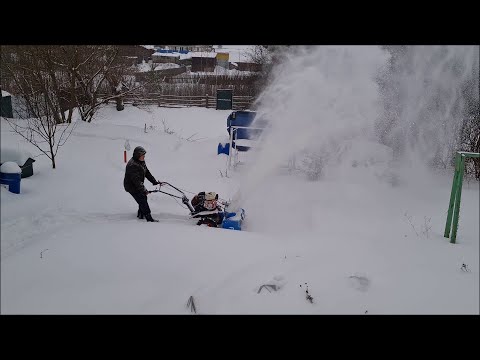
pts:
[71, 242]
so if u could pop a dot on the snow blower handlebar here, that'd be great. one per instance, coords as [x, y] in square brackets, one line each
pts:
[183, 197]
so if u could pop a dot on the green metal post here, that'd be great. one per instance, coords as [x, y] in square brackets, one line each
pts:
[469, 154]
[457, 200]
[452, 196]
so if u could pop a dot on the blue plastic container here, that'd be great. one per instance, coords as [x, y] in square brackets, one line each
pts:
[241, 118]
[12, 180]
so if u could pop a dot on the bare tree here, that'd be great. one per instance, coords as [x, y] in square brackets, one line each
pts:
[37, 84]
[470, 141]
[93, 69]
[260, 54]
[153, 65]
[267, 56]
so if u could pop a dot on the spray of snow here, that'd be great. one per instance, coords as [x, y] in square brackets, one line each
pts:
[425, 92]
[325, 98]
[319, 96]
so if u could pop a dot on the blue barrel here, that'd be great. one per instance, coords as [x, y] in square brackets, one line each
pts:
[12, 180]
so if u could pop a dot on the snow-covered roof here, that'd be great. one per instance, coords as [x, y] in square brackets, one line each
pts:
[149, 47]
[4, 93]
[205, 54]
[185, 56]
[16, 155]
[166, 54]
[189, 55]
[234, 54]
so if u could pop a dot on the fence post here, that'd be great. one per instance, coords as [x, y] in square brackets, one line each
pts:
[230, 149]
[453, 195]
[458, 198]
[206, 101]
[456, 195]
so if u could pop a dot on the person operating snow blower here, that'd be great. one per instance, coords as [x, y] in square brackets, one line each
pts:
[207, 208]
[135, 173]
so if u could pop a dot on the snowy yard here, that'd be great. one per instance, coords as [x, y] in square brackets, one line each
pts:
[71, 242]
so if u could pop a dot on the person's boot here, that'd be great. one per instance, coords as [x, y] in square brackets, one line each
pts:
[140, 214]
[149, 218]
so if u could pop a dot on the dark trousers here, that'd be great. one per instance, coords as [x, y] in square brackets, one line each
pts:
[142, 202]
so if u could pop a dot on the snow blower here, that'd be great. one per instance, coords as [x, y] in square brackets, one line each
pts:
[209, 209]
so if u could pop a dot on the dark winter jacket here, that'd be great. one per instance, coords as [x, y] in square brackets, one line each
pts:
[135, 173]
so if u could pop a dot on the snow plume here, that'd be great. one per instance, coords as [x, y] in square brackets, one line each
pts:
[319, 95]
[427, 91]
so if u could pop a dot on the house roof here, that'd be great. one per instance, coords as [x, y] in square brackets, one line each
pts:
[4, 93]
[166, 55]
[202, 54]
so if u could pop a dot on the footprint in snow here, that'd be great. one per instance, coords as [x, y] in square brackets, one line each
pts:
[359, 282]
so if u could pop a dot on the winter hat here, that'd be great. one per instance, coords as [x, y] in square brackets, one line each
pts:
[211, 196]
[138, 151]
[210, 202]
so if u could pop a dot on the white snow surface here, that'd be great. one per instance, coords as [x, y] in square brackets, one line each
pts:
[71, 242]
[14, 153]
[10, 167]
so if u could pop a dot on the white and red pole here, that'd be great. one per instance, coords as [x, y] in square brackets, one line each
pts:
[127, 147]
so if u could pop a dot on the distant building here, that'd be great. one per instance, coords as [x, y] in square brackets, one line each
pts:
[195, 48]
[204, 62]
[6, 109]
[138, 52]
[247, 66]
[222, 59]
[166, 58]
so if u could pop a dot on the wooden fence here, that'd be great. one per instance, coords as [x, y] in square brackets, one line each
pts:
[208, 101]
